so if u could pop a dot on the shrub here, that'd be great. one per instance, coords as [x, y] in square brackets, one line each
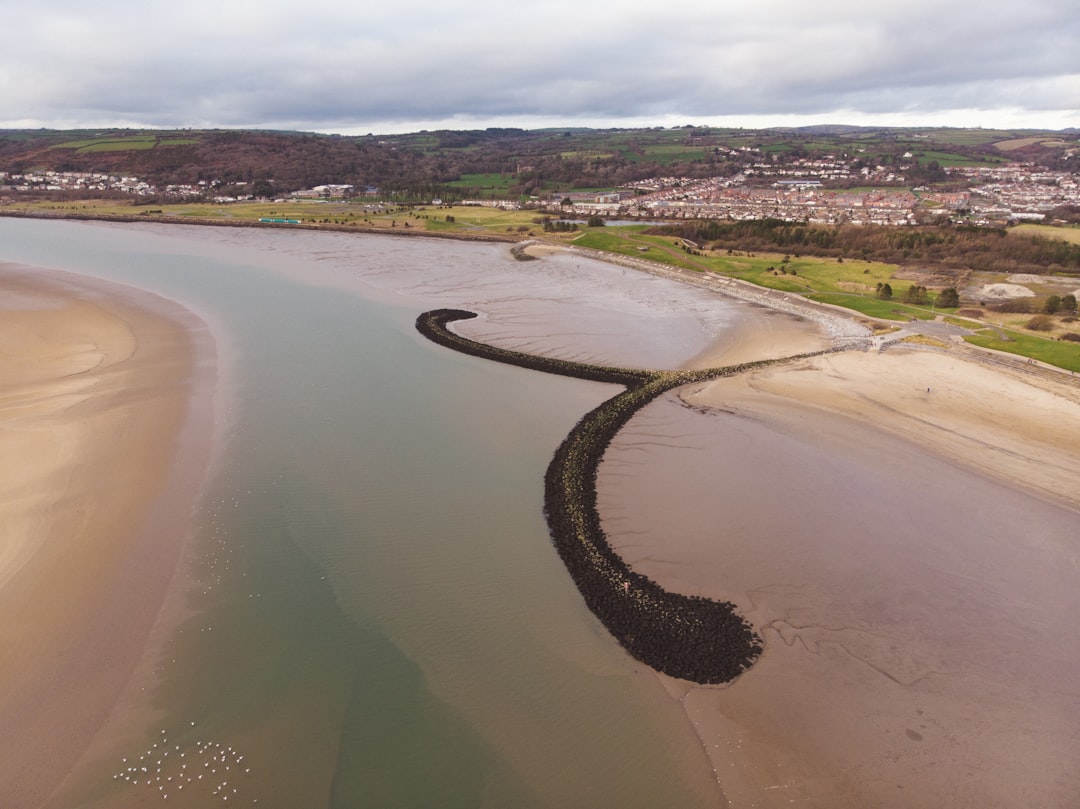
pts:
[1041, 323]
[1071, 336]
[1014, 306]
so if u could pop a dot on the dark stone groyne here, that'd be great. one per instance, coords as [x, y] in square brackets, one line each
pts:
[689, 637]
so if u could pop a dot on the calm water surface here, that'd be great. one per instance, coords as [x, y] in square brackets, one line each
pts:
[377, 616]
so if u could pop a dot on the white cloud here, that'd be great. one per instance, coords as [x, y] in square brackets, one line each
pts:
[331, 66]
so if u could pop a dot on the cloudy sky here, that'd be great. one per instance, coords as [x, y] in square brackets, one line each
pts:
[364, 66]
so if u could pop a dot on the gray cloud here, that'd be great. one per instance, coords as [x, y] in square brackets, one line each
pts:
[334, 66]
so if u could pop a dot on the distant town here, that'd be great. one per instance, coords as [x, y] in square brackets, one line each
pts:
[831, 175]
[994, 195]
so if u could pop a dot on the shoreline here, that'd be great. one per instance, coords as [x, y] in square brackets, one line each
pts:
[97, 378]
[692, 638]
[925, 537]
[160, 219]
[747, 739]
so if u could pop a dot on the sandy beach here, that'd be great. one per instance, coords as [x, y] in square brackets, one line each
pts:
[95, 387]
[901, 526]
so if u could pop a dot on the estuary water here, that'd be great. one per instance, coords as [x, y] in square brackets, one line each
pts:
[374, 614]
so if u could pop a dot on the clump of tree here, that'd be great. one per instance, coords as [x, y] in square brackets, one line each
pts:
[1056, 304]
[559, 226]
[948, 298]
[884, 291]
[595, 221]
[916, 294]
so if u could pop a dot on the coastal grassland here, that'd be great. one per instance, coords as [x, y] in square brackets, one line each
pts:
[473, 217]
[1053, 352]
[361, 215]
[875, 307]
[241, 211]
[1068, 233]
[628, 242]
[851, 284]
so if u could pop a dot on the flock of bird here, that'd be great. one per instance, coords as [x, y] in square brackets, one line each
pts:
[207, 769]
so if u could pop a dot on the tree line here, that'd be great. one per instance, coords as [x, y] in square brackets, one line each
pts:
[944, 245]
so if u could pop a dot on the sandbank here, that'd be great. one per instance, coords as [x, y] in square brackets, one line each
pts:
[96, 390]
[908, 556]
[900, 527]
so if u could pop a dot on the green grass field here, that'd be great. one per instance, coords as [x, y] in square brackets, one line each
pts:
[874, 307]
[1053, 352]
[850, 284]
[493, 181]
[805, 274]
[1020, 143]
[1068, 233]
[952, 160]
[128, 144]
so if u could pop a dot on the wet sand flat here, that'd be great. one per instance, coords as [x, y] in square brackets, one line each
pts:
[909, 556]
[95, 382]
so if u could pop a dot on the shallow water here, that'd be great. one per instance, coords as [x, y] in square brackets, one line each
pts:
[377, 615]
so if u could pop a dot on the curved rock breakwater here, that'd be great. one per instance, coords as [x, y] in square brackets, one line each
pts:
[689, 637]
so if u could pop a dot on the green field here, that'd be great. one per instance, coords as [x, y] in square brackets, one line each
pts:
[851, 284]
[493, 181]
[1069, 233]
[966, 137]
[1020, 143]
[807, 274]
[667, 154]
[952, 160]
[128, 144]
[874, 307]
[1053, 352]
